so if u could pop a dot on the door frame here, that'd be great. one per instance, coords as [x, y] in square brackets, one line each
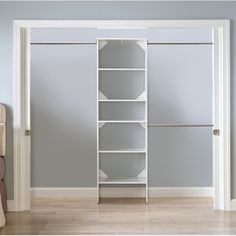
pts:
[221, 97]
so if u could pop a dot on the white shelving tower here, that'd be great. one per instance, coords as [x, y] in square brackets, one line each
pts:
[127, 59]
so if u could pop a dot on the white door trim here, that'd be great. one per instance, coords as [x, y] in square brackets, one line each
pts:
[125, 0]
[221, 98]
[21, 98]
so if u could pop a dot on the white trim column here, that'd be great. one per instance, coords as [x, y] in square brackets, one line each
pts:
[21, 98]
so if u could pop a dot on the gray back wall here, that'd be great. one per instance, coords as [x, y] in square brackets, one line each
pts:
[63, 108]
[101, 10]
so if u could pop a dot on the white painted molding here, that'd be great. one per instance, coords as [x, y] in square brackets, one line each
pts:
[221, 115]
[120, 23]
[118, 192]
[21, 118]
[226, 118]
[63, 192]
[119, 0]
[21, 111]
[233, 205]
[182, 192]
[11, 205]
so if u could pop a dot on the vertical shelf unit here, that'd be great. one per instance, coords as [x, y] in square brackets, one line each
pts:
[122, 154]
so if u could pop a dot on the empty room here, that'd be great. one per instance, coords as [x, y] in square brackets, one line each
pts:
[117, 117]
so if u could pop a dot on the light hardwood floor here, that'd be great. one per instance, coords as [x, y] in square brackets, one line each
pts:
[121, 216]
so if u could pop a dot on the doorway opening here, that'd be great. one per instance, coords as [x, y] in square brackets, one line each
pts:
[220, 102]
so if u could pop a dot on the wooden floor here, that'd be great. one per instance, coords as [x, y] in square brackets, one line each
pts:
[116, 216]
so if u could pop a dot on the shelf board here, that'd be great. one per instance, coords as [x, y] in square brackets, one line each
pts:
[134, 180]
[122, 121]
[128, 150]
[121, 69]
[121, 100]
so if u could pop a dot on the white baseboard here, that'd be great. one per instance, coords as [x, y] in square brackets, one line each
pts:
[182, 192]
[233, 205]
[119, 192]
[38, 192]
[11, 205]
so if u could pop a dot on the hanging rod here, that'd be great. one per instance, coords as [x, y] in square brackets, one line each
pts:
[180, 43]
[180, 125]
[94, 43]
[63, 43]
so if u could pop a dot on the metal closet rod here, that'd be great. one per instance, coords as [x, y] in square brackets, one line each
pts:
[94, 43]
[180, 125]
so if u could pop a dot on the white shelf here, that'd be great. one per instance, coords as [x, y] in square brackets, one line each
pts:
[127, 150]
[122, 121]
[121, 69]
[134, 180]
[121, 100]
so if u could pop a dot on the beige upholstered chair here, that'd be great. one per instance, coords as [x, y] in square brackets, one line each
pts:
[3, 200]
[2, 130]
[2, 216]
